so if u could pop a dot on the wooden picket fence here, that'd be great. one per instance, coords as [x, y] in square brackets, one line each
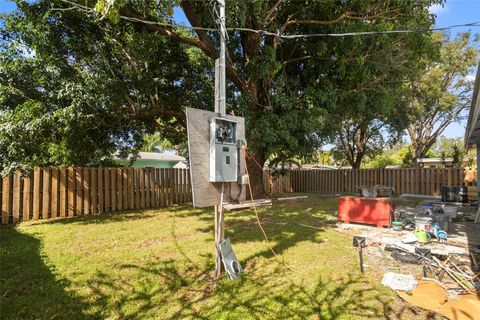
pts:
[66, 192]
[275, 185]
[427, 181]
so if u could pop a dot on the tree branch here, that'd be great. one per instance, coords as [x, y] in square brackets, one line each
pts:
[269, 14]
[302, 59]
[345, 15]
[206, 46]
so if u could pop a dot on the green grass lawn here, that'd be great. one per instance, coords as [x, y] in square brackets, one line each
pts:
[158, 264]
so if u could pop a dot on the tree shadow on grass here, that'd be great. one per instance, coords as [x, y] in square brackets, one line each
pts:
[167, 291]
[126, 215]
[29, 289]
[285, 226]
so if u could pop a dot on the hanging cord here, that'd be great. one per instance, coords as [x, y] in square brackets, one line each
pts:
[282, 261]
[255, 209]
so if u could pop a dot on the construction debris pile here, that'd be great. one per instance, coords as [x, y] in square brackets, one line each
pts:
[432, 244]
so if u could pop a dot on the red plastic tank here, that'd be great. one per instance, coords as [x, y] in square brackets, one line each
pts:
[364, 210]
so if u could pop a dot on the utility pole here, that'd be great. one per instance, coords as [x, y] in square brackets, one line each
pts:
[220, 101]
[222, 64]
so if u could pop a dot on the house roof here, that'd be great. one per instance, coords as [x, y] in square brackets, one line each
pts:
[156, 156]
[422, 160]
[472, 133]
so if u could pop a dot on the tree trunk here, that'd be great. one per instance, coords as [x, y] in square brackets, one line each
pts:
[357, 162]
[255, 164]
[256, 157]
[418, 152]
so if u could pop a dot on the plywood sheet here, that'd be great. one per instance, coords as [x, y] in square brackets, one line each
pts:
[205, 193]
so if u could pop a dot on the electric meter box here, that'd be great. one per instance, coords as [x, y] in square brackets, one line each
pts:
[223, 150]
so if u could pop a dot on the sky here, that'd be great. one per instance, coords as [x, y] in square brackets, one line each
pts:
[451, 13]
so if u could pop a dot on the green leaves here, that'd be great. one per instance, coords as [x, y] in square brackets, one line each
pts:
[90, 88]
[439, 93]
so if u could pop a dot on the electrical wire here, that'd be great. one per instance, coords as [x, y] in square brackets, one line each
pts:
[270, 33]
[282, 261]
[303, 36]
[256, 212]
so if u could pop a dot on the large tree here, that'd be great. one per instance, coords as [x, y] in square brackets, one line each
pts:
[369, 111]
[284, 88]
[73, 90]
[439, 94]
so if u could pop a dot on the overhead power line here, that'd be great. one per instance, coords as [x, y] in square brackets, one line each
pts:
[270, 33]
[312, 35]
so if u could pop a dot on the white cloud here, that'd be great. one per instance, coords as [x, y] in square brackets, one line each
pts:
[438, 9]
[470, 78]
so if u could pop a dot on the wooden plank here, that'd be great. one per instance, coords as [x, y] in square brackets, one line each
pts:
[179, 185]
[430, 181]
[169, 193]
[152, 187]
[63, 192]
[147, 187]
[136, 181]
[17, 198]
[423, 177]
[54, 200]
[107, 189]
[182, 186]
[293, 177]
[163, 191]
[142, 187]
[172, 186]
[46, 193]
[113, 189]
[157, 187]
[6, 199]
[351, 180]
[461, 177]
[313, 182]
[310, 180]
[94, 190]
[72, 207]
[450, 177]
[101, 189]
[119, 189]
[455, 177]
[86, 191]
[131, 188]
[125, 196]
[79, 191]
[246, 204]
[410, 180]
[175, 186]
[27, 197]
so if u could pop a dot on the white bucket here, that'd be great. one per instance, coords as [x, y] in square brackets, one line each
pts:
[423, 223]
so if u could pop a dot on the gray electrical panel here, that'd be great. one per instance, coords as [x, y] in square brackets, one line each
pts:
[223, 150]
